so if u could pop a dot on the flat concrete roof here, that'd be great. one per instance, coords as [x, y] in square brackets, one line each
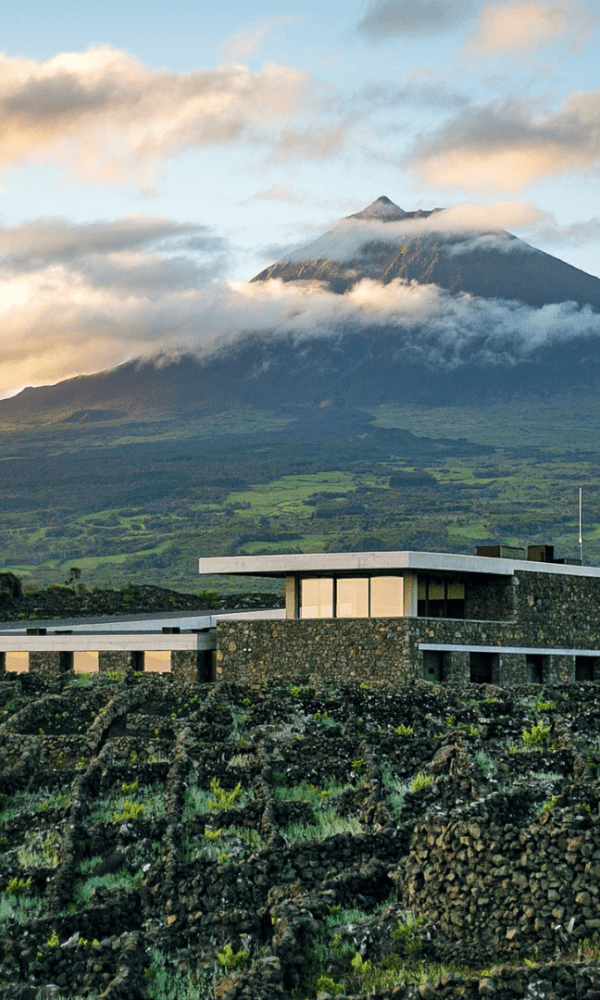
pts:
[140, 624]
[328, 563]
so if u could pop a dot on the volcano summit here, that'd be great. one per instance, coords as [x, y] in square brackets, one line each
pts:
[385, 243]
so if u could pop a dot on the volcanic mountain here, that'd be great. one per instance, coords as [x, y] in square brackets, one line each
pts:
[502, 318]
[384, 243]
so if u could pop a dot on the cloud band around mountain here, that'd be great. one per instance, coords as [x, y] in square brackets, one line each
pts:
[81, 299]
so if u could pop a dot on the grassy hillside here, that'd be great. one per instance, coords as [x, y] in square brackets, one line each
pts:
[159, 839]
[131, 501]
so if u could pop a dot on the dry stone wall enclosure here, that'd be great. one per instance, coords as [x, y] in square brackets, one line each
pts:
[252, 841]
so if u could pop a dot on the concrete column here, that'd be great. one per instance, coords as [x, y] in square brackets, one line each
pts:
[109, 660]
[411, 595]
[292, 597]
[457, 666]
[50, 663]
[561, 669]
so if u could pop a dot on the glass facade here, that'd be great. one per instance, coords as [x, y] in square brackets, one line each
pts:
[316, 598]
[352, 598]
[387, 597]
[440, 598]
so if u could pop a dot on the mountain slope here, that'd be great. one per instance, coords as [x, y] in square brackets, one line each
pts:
[493, 264]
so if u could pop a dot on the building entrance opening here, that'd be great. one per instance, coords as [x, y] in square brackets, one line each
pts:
[584, 668]
[534, 668]
[483, 667]
[433, 665]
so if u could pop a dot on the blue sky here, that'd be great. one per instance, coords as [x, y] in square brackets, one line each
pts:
[154, 157]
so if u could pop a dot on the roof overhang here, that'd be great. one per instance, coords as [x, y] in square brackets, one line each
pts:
[325, 563]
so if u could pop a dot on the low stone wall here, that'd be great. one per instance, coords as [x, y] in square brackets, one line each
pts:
[461, 874]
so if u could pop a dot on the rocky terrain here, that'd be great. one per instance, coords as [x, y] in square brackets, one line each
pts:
[62, 601]
[161, 839]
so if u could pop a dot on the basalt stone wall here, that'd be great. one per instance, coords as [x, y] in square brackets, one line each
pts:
[52, 664]
[490, 598]
[462, 874]
[559, 611]
[375, 649]
[368, 649]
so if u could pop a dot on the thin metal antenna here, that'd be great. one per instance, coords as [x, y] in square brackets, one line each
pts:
[580, 526]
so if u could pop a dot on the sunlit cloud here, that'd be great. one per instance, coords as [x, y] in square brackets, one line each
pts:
[504, 146]
[345, 242]
[109, 117]
[78, 299]
[523, 25]
[247, 42]
[278, 192]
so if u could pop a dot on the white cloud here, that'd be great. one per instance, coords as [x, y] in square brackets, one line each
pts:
[505, 146]
[523, 25]
[108, 116]
[247, 41]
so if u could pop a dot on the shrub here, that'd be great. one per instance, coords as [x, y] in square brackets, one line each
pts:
[326, 984]
[421, 781]
[210, 598]
[224, 799]
[230, 959]
[131, 811]
[404, 730]
[17, 886]
[537, 736]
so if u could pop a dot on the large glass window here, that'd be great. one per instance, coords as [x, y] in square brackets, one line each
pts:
[439, 598]
[387, 597]
[352, 598]
[316, 598]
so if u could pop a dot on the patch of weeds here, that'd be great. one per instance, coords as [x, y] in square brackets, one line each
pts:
[40, 847]
[485, 762]
[224, 799]
[82, 893]
[230, 959]
[421, 781]
[402, 730]
[18, 887]
[548, 805]
[544, 706]
[20, 908]
[536, 737]
[325, 984]
[405, 935]
[117, 808]
[164, 981]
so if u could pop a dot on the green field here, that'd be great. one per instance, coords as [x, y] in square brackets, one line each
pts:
[141, 501]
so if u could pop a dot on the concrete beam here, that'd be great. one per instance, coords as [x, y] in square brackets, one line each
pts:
[105, 642]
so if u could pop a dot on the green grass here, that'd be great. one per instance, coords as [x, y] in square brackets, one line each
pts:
[328, 822]
[151, 797]
[289, 494]
[82, 893]
[20, 908]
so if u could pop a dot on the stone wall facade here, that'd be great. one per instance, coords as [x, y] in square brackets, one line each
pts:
[533, 610]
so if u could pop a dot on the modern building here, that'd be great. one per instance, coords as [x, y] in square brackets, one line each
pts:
[501, 616]
[182, 643]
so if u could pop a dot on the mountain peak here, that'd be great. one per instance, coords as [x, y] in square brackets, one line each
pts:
[382, 208]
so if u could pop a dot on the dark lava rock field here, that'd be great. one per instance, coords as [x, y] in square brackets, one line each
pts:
[167, 841]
